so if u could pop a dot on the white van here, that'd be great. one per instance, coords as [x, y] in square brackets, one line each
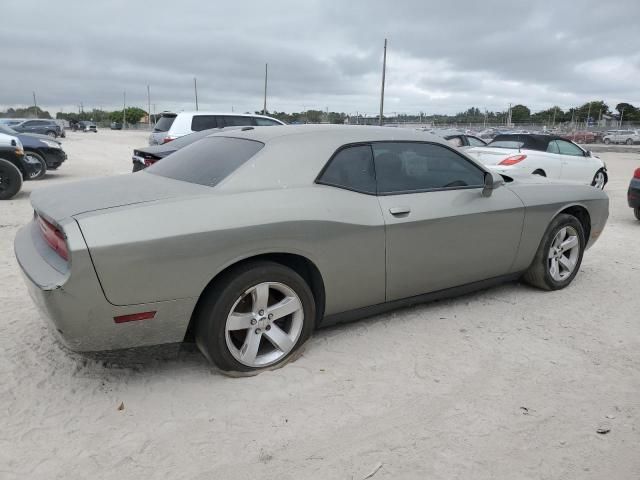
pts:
[185, 123]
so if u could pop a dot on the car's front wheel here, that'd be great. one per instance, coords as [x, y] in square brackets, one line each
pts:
[254, 317]
[636, 212]
[10, 179]
[52, 134]
[599, 179]
[559, 255]
[629, 141]
[607, 141]
[38, 165]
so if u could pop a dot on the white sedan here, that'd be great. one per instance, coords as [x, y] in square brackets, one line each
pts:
[546, 155]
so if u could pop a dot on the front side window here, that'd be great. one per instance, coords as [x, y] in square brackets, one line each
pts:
[204, 122]
[475, 142]
[351, 168]
[568, 148]
[207, 161]
[265, 122]
[234, 121]
[403, 167]
[552, 147]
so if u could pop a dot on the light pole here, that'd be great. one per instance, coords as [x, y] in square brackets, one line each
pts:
[384, 71]
[148, 105]
[124, 109]
[266, 73]
[195, 89]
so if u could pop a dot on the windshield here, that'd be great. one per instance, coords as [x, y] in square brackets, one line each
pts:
[207, 161]
[7, 130]
[505, 144]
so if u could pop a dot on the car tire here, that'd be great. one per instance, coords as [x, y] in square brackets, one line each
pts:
[599, 179]
[246, 346]
[607, 141]
[539, 172]
[52, 134]
[545, 271]
[43, 164]
[10, 179]
[629, 141]
[636, 212]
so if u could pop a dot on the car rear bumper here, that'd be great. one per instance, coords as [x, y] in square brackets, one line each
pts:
[74, 304]
[633, 194]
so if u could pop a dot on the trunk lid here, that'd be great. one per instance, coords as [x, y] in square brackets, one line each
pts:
[491, 156]
[63, 201]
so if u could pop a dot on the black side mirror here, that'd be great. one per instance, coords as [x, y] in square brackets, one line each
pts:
[492, 181]
[588, 153]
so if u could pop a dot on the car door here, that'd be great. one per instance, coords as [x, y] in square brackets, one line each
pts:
[440, 231]
[576, 166]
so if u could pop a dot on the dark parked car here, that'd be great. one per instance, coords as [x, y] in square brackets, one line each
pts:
[43, 127]
[633, 195]
[85, 126]
[147, 156]
[41, 148]
[14, 168]
[115, 126]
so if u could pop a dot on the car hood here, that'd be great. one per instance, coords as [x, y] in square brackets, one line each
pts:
[36, 136]
[60, 202]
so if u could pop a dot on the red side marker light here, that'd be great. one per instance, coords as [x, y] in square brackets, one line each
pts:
[134, 317]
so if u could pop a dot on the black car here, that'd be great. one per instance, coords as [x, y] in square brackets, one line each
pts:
[41, 148]
[40, 126]
[14, 168]
[115, 126]
[633, 195]
[146, 156]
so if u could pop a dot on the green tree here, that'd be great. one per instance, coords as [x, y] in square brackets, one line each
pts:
[520, 114]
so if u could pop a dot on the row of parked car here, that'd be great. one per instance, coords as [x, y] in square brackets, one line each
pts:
[26, 156]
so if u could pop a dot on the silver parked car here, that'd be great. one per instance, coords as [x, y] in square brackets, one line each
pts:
[248, 240]
[622, 136]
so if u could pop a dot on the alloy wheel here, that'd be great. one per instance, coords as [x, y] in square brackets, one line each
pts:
[599, 180]
[563, 254]
[264, 324]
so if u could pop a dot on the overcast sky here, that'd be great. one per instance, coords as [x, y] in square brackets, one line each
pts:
[443, 57]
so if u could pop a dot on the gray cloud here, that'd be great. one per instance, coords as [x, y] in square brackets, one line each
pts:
[443, 57]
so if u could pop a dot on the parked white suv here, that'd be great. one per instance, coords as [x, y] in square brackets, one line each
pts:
[622, 136]
[185, 123]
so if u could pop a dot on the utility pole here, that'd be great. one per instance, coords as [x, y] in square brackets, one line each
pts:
[588, 116]
[384, 71]
[554, 116]
[509, 117]
[266, 73]
[35, 105]
[621, 117]
[195, 89]
[148, 105]
[124, 109]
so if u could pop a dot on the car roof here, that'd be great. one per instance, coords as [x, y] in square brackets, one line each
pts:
[226, 114]
[530, 141]
[336, 134]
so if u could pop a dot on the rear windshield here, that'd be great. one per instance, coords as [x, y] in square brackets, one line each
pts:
[506, 144]
[164, 124]
[207, 161]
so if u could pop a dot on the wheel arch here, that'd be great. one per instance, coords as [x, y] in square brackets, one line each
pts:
[582, 214]
[302, 265]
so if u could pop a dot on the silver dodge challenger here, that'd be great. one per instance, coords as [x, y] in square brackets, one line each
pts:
[247, 241]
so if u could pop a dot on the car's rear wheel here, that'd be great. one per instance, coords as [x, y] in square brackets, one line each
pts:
[636, 212]
[599, 179]
[10, 179]
[607, 141]
[629, 141]
[559, 255]
[52, 134]
[38, 165]
[254, 317]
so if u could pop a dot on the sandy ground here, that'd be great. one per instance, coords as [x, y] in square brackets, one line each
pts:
[510, 383]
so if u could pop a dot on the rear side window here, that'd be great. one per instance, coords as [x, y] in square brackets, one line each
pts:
[265, 122]
[204, 122]
[475, 142]
[553, 147]
[164, 124]
[351, 168]
[207, 161]
[404, 167]
[234, 121]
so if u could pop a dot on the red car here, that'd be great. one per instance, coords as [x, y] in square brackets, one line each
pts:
[581, 137]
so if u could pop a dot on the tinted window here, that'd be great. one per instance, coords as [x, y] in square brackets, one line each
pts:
[407, 166]
[265, 122]
[506, 144]
[204, 122]
[233, 121]
[351, 168]
[567, 148]
[553, 147]
[30, 123]
[164, 124]
[475, 142]
[207, 161]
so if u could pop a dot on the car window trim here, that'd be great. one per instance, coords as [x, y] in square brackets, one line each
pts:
[377, 193]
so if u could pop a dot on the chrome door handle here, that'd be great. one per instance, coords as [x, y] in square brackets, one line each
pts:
[400, 210]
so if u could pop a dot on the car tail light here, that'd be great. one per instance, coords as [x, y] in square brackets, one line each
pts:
[636, 174]
[512, 159]
[149, 161]
[167, 140]
[54, 237]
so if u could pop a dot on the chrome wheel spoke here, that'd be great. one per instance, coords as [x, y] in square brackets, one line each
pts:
[554, 269]
[239, 321]
[249, 350]
[566, 263]
[279, 339]
[286, 306]
[260, 295]
[569, 243]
